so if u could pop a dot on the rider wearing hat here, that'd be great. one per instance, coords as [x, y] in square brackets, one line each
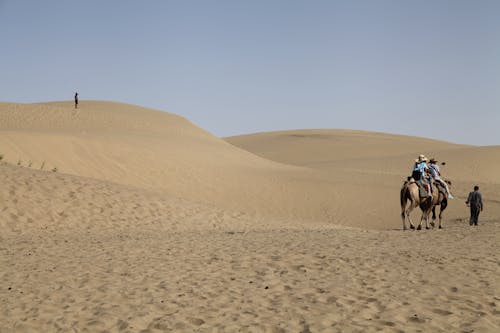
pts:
[420, 173]
[436, 174]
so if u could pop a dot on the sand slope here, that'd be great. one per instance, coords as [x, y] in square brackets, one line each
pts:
[85, 255]
[151, 224]
[365, 152]
[376, 163]
[315, 148]
[156, 150]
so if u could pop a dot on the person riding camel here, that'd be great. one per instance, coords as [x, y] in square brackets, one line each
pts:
[420, 173]
[436, 174]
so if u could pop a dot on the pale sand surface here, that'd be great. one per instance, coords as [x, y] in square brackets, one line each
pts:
[256, 281]
[98, 257]
[152, 224]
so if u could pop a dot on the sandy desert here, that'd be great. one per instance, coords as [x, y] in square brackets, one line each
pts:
[119, 218]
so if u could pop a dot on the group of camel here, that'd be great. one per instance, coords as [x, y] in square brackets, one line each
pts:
[410, 199]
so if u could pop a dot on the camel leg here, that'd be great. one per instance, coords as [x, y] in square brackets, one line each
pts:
[408, 213]
[433, 222]
[412, 226]
[425, 216]
[404, 204]
[420, 223]
[403, 214]
[440, 218]
[442, 207]
[403, 218]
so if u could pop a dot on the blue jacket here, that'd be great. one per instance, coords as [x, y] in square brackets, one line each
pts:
[420, 166]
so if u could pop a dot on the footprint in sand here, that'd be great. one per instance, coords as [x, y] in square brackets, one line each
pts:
[416, 319]
[442, 312]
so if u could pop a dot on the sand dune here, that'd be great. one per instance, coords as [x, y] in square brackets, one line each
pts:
[376, 163]
[86, 255]
[151, 224]
[317, 147]
[156, 150]
[371, 152]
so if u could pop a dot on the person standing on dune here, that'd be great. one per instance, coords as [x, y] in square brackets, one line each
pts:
[475, 202]
[76, 100]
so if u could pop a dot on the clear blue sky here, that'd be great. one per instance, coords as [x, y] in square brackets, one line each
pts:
[427, 68]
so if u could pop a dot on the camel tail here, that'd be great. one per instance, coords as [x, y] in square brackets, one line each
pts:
[402, 196]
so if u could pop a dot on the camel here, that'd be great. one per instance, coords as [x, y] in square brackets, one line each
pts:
[410, 192]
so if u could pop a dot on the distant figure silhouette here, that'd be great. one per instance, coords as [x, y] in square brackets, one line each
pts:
[76, 100]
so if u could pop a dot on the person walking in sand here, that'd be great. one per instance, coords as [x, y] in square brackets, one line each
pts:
[475, 202]
[76, 100]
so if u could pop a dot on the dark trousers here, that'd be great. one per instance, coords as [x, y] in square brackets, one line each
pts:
[474, 214]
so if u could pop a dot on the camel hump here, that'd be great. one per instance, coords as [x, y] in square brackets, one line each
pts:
[409, 180]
